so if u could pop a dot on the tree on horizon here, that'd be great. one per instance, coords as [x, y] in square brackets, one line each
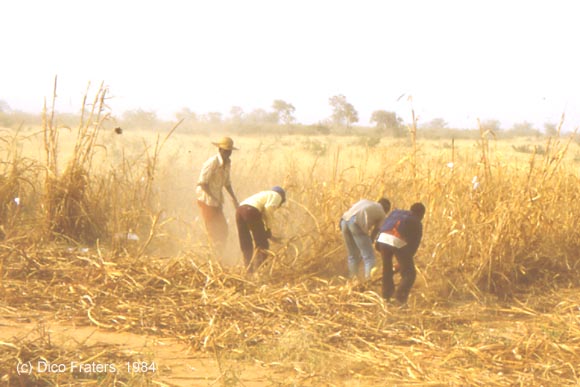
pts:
[388, 123]
[343, 113]
[284, 111]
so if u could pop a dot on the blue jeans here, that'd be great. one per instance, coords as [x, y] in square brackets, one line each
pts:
[358, 244]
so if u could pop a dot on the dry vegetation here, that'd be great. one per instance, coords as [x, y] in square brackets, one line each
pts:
[495, 302]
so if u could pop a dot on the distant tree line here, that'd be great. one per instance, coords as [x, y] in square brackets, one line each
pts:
[280, 118]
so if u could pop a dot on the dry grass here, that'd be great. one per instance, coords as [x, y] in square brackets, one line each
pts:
[491, 305]
[310, 330]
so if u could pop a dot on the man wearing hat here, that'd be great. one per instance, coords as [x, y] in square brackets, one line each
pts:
[254, 220]
[215, 175]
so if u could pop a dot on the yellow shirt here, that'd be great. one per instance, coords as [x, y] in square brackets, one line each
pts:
[267, 202]
[216, 174]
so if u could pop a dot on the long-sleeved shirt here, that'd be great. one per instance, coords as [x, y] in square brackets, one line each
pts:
[267, 202]
[216, 174]
[368, 215]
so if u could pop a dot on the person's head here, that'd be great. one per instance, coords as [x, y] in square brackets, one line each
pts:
[280, 192]
[225, 153]
[419, 210]
[386, 204]
[225, 146]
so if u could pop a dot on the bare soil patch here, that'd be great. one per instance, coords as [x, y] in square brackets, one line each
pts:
[176, 363]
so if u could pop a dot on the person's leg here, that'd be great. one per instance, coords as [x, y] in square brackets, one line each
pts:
[205, 213]
[256, 226]
[219, 231]
[388, 284]
[365, 246]
[353, 258]
[408, 275]
[246, 244]
[262, 244]
[215, 224]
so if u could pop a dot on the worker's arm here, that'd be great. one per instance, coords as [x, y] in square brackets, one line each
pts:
[233, 195]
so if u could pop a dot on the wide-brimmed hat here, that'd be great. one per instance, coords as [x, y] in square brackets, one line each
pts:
[225, 143]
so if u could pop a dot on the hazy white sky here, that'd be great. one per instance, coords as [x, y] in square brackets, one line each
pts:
[460, 60]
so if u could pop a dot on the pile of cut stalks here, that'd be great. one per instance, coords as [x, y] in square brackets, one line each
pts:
[310, 330]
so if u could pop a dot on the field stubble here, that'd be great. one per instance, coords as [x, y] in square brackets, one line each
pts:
[491, 306]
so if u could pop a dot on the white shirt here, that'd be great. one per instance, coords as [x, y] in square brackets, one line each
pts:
[216, 174]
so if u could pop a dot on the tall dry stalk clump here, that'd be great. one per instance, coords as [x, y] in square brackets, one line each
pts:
[495, 225]
[69, 210]
[92, 196]
[530, 220]
[16, 183]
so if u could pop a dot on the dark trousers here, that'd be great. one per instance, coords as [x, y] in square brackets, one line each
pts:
[407, 270]
[253, 236]
[215, 224]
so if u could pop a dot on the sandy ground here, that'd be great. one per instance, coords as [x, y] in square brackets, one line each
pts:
[177, 364]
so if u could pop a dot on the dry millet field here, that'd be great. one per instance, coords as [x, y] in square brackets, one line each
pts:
[496, 300]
